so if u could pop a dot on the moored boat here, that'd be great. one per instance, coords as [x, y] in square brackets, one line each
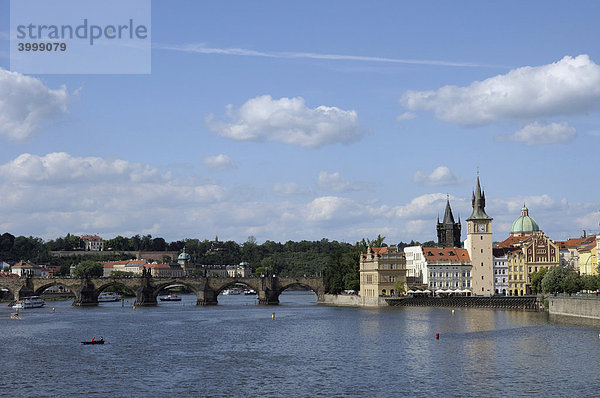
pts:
[109, 297]
[170, 297]
[94, 341]
[29, 302]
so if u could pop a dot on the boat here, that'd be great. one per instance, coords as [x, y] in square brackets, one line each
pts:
[250, 292]
[109, 297]
[94, 341]
[29, 302]
[15, 315]
[233, 291]
[170, 297]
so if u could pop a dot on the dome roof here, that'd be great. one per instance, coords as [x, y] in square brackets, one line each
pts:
[184, 255]
[524, 224]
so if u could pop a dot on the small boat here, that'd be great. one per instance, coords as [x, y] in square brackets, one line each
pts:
[249, 292]
[15, 315]
[93, 341]
[29, 302]
[232, 291]
[109, 297]
[170, 297]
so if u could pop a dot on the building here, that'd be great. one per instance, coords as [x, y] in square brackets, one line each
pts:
[588, 258]
[479, 245]
[242, 270]
[416, 265]
[93, 243]
[524, 225]
[184, 261]
[382, 271]
[132, 266]
[500, 271]
[448, 231]
[26, 268]
[448, 269]
[162, 270]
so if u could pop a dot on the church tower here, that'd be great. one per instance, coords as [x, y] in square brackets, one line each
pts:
[479, 245]
[448, 231]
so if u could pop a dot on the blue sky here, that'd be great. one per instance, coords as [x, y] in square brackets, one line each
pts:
[310, 120]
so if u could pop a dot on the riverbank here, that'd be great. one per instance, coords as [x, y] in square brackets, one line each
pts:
[575, 307]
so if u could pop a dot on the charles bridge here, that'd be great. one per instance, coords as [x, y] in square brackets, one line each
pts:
[147, 288]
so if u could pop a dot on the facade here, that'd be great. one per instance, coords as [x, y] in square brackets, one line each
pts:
[479, 245]
[162, 270]
[500, 271]
[123, 266]
[93, 243]
[448, 231]
[416, 265]
[26, 268]
[382, 269]
[588, 259]
[448, 268]
[242, 270]
[517, 276]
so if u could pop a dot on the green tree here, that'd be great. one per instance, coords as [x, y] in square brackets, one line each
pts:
[88, 268]
[552, 281]
[572, 283]
[536, 280]
[590, 282]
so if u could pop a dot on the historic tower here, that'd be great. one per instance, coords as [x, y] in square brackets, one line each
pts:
[479, 245]
[448, 231]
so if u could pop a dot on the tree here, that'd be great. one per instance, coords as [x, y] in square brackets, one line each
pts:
[88, 268]
[572, 283]
[552, 281]
[399, 287]
[590, 282]
[536, 280]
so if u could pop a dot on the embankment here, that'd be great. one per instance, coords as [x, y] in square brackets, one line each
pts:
[574, 307]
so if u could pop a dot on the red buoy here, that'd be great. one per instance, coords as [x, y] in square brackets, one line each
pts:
[437, 336]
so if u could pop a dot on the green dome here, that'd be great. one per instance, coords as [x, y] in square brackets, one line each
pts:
[525, 224]
[183, 256]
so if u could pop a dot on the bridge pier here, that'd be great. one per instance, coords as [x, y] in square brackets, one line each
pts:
[85, 296]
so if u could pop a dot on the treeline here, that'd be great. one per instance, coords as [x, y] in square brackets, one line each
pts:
[562, 280]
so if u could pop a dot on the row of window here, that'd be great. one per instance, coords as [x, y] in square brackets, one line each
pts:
[465, 274]
[447, 284]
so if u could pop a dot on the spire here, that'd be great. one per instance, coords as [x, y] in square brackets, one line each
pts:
[478, 203]
[448, 217]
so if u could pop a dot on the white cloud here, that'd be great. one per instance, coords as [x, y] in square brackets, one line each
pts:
[421, 205]
[441, 175]
[594, 133]
[406, 116]
[539, 134]
[26, 105]
[59, 167]
[336, 183]
[290, 189]
[569, 86]
[288, 120]
[220, 162]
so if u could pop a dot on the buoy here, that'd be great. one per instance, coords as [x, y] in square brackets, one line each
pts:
[134, 307]
[52, 309]
[273, 316]
[437, 336]
[452, 312]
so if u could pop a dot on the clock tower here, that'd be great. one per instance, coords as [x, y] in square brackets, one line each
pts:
[479, 245]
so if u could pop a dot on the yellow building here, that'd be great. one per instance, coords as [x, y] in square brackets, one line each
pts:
[588, 259]
[517, 275]
[382, 269]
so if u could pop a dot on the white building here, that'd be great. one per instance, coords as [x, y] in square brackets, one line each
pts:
[500, 271]
[25, 267]
[93, 243]
[448, 268]
[416, 264]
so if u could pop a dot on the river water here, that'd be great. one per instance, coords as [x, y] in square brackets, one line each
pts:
[237, 349]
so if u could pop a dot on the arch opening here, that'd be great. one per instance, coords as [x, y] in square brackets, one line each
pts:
[298, 294]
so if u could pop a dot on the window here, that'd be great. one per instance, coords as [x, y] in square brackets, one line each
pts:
[482, 250]
[481, 277]
[481, 237]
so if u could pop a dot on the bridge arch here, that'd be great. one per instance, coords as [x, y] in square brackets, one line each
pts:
[42, 288]
[11, 292]
[114, 283]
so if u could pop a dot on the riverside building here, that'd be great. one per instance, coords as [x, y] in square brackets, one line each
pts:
[382, 271]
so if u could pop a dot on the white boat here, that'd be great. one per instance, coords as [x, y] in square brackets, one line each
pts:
[233, 291]
[109, 297]
[170, 297]
[250, 292]
[29, 302]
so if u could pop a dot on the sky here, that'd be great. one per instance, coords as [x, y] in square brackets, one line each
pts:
[308, 120]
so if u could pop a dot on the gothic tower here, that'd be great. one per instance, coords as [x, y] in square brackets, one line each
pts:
[448, 231]
[479, 245]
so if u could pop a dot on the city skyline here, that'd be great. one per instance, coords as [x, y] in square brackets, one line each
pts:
[302, 121]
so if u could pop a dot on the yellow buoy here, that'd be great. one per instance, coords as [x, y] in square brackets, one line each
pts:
[52, 309]
[273, 316]
[452, 312]
[134, 307]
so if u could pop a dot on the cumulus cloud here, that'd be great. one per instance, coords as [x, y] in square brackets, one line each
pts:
[335, 182]
[405, 116]
[424, 204]
[290, 189]
[59, 167]
[287, 120]
[441, 175]
[539, 134]
[26, 105]
[569, 86]
[220, 162]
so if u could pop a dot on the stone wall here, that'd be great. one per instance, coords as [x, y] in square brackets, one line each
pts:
[575, 307]
[353, 301]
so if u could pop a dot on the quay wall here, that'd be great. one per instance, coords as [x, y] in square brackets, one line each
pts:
[345, 300]
[574, 307]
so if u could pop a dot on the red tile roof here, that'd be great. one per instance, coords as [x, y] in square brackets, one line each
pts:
[435, 254]
[512, 241]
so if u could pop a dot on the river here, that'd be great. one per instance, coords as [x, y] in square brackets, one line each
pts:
[238, 349]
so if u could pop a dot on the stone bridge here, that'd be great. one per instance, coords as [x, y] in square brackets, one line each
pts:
[147, 288]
